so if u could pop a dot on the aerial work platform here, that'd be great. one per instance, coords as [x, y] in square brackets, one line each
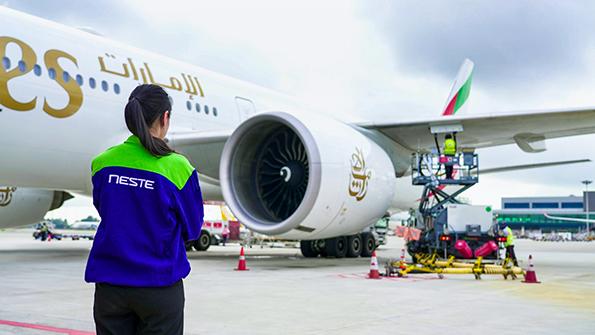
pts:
[446, 225]
[428, 170]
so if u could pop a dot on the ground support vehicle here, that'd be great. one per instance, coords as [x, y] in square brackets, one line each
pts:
[448, 226]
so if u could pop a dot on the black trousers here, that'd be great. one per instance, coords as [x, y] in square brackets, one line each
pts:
[449, 171]
[120, 310]
[510, 254]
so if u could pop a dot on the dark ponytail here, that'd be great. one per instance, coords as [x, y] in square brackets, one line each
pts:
[146, 104]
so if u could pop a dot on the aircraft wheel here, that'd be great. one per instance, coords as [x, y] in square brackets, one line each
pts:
[308, 250]
[368, 244]
[336, 247]
[354, 245]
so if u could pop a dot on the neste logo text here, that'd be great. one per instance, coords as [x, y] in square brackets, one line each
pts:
[133, 182]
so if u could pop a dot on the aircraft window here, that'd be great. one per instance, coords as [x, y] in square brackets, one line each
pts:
[117, 88]
[52, 73]
[22, 66]
[79, 79]
[92, 82]
[197, 108]
[189, 105]
[214, 111]
[66, 76]
[206, 109]
[6, 63]
[104, 86]
[37, 70]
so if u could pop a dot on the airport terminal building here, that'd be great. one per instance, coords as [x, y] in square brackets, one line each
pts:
[527, 213]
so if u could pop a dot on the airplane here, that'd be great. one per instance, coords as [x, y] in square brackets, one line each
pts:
[282, 168]
[85, 225]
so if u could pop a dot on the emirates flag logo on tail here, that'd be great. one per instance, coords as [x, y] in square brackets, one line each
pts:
[459, 94]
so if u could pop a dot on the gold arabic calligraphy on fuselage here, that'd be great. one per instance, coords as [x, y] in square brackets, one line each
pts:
[6, 195]
[191, 84]
[360, 175]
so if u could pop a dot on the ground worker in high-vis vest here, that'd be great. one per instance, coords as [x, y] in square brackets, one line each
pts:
[450, 150]
[150, 204]
[509, 244]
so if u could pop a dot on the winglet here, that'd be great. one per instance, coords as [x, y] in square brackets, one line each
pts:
[460, 89]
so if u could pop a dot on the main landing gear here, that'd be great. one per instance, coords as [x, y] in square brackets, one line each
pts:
[362, 244]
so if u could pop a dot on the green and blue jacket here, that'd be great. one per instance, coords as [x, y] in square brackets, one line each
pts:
[149, 207]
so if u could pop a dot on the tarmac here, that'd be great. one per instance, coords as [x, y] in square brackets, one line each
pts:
[42, 291]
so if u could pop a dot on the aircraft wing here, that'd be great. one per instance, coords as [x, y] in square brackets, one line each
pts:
[177, 139]
[567, 219]
[531, 166]
[527, 129]
[203, 149]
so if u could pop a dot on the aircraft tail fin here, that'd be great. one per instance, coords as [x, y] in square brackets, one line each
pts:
[459, 94]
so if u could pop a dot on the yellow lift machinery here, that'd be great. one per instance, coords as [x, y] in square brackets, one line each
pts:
[431, 263]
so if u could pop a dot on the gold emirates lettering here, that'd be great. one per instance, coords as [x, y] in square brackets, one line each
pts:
[29, 58]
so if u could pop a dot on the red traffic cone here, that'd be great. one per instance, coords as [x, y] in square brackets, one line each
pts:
[374, 273]
[242, 262]
[402, 264]
[530, 276]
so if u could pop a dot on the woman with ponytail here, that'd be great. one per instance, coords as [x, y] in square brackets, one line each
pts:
[150, 205]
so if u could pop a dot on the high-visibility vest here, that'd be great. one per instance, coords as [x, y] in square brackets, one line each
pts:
[509, 237]
[450, 147]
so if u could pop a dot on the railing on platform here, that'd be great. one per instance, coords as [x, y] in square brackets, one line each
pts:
[430, 168]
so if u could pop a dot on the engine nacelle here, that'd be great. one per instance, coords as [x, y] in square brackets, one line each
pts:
[23, 206]
[304, 177]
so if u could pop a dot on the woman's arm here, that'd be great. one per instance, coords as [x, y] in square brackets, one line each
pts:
[190, 208]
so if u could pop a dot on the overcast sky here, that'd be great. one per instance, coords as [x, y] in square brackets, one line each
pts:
[379, 60]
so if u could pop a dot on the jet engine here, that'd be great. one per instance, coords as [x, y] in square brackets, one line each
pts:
[23, 206]
[305, 176]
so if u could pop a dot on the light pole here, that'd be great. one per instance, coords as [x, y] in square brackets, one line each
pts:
[587, 182]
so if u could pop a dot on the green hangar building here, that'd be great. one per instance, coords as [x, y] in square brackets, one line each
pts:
[527, 213]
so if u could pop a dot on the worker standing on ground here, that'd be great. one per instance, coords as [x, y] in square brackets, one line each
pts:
[450, 151]
[150, 204]
[225, 234]
[44, 231]
[509, 244]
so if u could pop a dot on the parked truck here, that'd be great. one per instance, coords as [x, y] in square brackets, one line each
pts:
[459, 230]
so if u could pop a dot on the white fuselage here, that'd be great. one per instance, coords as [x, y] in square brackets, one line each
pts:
[54, 121]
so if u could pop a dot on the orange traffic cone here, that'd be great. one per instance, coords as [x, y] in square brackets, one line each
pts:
[530, 276]
[374, 273]
[242, 262]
